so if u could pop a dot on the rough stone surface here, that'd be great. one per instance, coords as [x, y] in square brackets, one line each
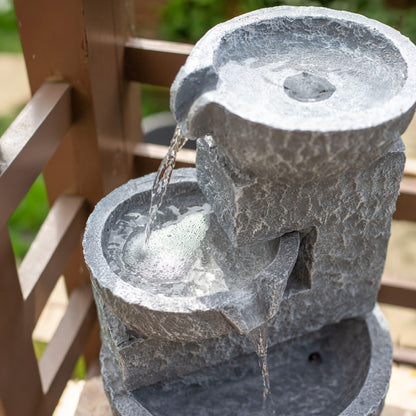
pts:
[346, 221]
[244, 301]
[333, 373]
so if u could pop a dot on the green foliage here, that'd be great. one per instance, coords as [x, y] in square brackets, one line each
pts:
[28, 217]
[6, 120]
[154, 99]
[80, 370]
[188, 20]
[39, 347]
[9, 36]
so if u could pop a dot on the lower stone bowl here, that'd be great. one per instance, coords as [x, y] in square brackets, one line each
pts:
[188, 282]
[342, 369]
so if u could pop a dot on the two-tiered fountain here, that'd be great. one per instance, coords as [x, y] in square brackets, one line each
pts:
[279, 234]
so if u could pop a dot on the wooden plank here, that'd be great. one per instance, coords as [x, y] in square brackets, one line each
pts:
[116, 102]
[30, 141]
[397, 292]
[410, 168]
[153, 61]
[61, 354]
[406, 202]
[81, 42]
[55, 47]
[19, 374]
[148, 157]
[51, 249]
[402, 355]
[77, 274]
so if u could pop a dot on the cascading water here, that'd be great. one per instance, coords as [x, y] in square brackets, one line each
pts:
[258, 339]
[206, 278]
[162, 180]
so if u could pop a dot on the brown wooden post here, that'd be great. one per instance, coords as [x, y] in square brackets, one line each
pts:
[20, 384]
[81, 42]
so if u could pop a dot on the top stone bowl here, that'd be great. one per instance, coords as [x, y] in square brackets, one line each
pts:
[298, 93]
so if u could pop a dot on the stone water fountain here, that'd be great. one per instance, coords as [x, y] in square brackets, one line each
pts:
[283, 226]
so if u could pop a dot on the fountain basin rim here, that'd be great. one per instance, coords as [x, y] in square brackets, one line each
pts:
[369, 401]
[203, 54]
[101, 272]
[380, 363]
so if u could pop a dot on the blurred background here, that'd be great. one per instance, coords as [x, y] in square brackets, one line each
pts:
[186, 21]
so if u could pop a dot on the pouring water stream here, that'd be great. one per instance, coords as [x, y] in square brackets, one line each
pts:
[162, 179]
[257, 337]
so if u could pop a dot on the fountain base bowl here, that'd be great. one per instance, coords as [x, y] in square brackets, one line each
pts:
[331, 372]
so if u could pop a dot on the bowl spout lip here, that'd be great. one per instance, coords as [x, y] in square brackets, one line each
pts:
[204, 59]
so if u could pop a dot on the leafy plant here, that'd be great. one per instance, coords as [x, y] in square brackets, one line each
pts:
[188, 20]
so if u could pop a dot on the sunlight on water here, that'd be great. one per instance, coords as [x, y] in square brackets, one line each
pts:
[162, 179]
[177, 259]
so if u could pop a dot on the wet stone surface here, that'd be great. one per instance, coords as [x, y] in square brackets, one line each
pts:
[307, 87]
[236, 387]
[187, 255]
[342, 381]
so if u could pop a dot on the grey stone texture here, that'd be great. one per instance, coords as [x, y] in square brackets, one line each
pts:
[328, 369]
[242, 303]
[345, 219]
[298, 114]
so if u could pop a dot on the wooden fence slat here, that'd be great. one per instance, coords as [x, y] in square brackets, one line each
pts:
[116, 102]
[61, 354]
[404, 355]
[19, 374]
[410, 168]
[153, 61]
[30, 141]
[51, 249]
[406, 202]
[147, 158]
[397, 292]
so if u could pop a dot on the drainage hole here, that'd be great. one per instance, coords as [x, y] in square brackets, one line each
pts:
[315, 358]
